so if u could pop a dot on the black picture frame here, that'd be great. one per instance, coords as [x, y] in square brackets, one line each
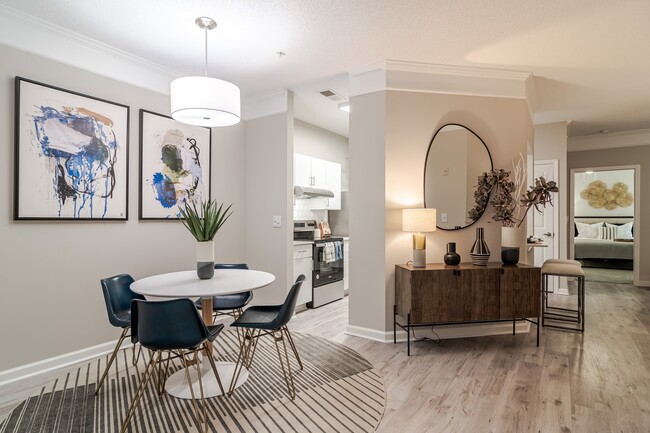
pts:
[71, 157]
[174, 160]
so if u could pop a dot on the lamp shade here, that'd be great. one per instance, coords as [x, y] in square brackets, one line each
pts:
[205, 101]
[419, 220]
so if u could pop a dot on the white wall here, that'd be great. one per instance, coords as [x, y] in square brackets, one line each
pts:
[51, 301]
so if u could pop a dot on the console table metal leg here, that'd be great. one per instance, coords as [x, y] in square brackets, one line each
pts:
[408, 334]
[394, 324]
[513, 326]
[537, 331]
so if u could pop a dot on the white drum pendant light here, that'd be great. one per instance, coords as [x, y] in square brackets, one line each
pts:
[205, 101]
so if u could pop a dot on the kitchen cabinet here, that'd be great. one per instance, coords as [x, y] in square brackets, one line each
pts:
[302, 264]
[318, 173]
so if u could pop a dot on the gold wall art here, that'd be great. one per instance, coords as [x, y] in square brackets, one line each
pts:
[599, 196]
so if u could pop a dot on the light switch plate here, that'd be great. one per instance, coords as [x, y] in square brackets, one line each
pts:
[277, 221]
[443, 217]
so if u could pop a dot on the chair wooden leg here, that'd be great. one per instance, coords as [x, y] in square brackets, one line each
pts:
[151, 366]
[288, 377]
[112, 359]
[292, 344]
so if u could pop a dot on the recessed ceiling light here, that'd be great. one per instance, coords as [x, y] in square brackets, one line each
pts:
[345, 106]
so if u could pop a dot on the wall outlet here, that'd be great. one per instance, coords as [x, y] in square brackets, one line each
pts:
[277, 221]
[445, 171]
[443, 217]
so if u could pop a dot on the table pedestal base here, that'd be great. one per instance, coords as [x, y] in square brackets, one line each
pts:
[177, 386]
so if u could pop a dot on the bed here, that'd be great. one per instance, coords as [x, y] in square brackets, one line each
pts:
[601, 250]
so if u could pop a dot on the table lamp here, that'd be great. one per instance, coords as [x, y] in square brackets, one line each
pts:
[420, 221]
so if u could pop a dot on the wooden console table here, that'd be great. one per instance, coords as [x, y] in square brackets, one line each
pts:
[442, 295]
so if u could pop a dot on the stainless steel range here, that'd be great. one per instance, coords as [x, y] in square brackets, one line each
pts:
[327, 264]
[327, 276]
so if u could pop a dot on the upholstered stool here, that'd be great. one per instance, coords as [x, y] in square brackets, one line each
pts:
[563, 268]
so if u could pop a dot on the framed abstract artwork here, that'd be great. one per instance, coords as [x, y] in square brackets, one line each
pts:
[174, 165]
[71, 158]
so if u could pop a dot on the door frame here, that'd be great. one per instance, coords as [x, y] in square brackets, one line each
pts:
[637, 198]
[556, 209]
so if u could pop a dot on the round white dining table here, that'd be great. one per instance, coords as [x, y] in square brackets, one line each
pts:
[186, 284]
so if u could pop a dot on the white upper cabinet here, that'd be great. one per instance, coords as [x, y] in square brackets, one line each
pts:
[301, 170]
[318, 173]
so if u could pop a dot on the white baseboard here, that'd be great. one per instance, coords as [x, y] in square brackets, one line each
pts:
[643, 283]
[61, 361]
[444, 332]
[369, 334]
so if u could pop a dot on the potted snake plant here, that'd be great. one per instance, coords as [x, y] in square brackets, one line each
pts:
[203, 222]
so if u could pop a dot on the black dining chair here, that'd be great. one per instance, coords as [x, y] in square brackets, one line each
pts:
[117, 297]
[272, 320]
[175, 328]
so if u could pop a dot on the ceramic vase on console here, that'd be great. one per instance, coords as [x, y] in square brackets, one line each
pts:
[509, 246]
[205, 259]
[451, 257]
[480, 252]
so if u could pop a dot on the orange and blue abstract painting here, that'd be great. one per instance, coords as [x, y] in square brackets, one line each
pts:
[72, 155]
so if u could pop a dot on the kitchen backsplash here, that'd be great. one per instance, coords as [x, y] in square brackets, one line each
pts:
[301, 211]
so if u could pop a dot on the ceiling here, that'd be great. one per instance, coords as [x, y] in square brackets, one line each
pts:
[589, 57]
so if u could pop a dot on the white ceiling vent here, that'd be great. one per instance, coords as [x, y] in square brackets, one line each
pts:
[330, 94]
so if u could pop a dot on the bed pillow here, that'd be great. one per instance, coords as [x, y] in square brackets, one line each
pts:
[607, 232]
[624, 231]
[588, 231]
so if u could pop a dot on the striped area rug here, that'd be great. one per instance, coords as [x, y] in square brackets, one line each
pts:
[338, 391]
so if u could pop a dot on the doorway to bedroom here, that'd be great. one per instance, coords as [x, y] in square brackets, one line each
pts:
[603, 207]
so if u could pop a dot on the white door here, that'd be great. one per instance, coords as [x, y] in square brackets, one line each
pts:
[545, 223]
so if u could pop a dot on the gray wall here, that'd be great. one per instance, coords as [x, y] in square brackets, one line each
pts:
[635, 155]
[51, 301]
[390, 133]
[269, 192]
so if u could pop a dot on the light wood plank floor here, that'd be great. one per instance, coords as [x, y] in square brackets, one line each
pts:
[596, 382]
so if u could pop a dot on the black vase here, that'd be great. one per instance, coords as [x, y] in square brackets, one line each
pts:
[451, 258]
[510, 255]
[480, 252]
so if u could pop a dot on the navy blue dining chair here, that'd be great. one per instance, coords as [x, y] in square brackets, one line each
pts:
[272, 320]
[231, 305]
[174, 328]
[117, 297]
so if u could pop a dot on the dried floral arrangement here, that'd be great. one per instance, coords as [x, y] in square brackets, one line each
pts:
[500, 188]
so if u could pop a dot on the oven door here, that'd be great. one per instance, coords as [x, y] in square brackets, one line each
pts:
[325, 271]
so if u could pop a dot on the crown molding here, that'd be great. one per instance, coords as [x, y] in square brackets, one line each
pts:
[36, 36]
[446, 79]
[265, 104]
[639, 137]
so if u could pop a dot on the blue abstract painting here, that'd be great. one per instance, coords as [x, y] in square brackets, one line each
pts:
[71, 155]
[174, 165]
